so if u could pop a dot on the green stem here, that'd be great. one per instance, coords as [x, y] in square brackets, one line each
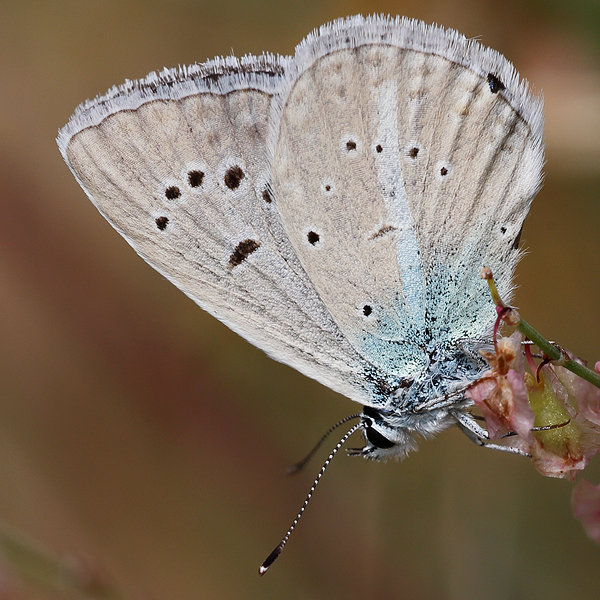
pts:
[555, 354]
[539, 340]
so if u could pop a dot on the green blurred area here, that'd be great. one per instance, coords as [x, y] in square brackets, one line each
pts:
[138, 432]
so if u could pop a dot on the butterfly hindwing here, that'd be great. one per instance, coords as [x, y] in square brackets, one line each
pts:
[422, 168]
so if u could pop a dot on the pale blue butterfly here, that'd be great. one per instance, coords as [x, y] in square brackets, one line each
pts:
[334, 208]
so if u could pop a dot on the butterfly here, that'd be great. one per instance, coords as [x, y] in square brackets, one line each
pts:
[334, 207]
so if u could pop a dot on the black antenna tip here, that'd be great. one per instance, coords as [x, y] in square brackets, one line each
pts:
[270, 560]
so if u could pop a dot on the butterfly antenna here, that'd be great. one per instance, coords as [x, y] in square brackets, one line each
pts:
[296, 468]
[277, 551]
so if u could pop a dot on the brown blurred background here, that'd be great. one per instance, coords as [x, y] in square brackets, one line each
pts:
[139, 434]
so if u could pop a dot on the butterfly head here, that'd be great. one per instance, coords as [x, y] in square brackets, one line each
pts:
[393, 434]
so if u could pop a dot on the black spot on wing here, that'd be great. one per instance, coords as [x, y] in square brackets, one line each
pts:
[161, 223]
[495, 84]
[242, 251]
[195, 178]
[233, 177]
[382, 231]
[267, 196]
[515, 244]
[313, 237]
[172, 193]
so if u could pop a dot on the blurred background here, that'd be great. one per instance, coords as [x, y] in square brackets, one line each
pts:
[143, 444]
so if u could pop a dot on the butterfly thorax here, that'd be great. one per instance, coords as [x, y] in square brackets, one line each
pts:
[420, 406]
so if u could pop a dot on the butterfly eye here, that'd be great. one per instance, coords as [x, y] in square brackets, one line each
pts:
[376, 439]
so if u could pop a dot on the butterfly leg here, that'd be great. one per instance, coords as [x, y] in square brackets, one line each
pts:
[478, 435]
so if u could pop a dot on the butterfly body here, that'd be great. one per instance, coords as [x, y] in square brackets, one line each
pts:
[335, 207]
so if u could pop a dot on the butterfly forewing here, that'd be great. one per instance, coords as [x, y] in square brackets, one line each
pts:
[185, 181]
